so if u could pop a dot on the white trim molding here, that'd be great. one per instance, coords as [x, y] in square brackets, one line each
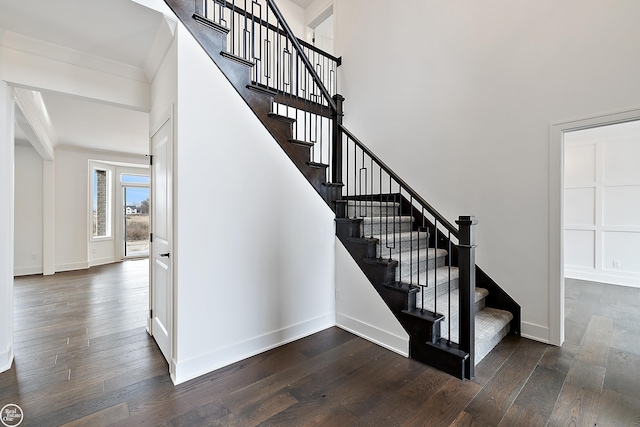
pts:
[376, 335]
[192, 368]
[6, 359]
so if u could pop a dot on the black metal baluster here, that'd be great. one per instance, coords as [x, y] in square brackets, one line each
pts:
[435, 265]
[371, 199]
[396, 232]
[387, 221]
[449, 294]
[411, 244]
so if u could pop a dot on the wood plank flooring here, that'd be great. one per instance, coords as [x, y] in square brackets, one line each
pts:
[83, 358]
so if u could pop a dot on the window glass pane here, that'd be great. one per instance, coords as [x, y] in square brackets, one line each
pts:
[126, 178]
[101, 225]
[136, 221]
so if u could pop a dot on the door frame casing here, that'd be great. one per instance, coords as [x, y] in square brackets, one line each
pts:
[556, 208]
[167, 116]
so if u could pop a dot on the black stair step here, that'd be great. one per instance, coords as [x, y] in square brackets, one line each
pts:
[301, 143]
[211, 24]
[375, 261]
[282, 118]
[262, 89]
[403, 287]
[334, 185]
[424, 315]
[237, 59]
[317, 165]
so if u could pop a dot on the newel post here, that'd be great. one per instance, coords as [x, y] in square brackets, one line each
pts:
[336, 141]
[467, 285]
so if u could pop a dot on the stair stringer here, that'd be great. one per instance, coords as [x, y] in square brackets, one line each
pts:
[238, 72]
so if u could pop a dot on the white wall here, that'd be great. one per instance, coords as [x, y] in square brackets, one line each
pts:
[255, 267]
[361, 310]
[71, 174]
[6, 226]
[28, 208]
[470, 89]
[602, 204]
[294, 15]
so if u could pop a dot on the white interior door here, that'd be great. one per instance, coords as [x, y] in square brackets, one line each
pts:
[161, 292]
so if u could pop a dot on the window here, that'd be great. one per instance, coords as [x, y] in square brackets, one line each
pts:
[101, 203]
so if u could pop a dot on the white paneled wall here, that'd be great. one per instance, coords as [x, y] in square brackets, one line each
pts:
[602, 204]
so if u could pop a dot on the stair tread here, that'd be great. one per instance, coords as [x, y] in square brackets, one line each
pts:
[237, 59]
[317, 165]
[405, 235]
[490, 321]
[301, 143]
[282, 118]
[379, 219]
[421, 254]
[436, 277]
[372, 203]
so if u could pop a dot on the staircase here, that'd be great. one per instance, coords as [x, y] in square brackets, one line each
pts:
[430, 271]
[422, 266]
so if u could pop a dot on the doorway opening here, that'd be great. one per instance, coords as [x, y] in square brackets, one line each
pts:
[560, 137]
[321, 31]
[135, 218]
[601, 204]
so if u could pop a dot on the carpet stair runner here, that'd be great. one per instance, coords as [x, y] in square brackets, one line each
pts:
[427, 267]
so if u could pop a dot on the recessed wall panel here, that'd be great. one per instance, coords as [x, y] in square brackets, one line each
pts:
[580, 163]
[620, 160]
[579, 206]
[621, 252]
[579, 248]
[621, 206]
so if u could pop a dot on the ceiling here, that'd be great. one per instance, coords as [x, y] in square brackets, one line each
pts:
[302, 3]
[123, 32]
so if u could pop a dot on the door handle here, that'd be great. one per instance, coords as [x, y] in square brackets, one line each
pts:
[165, 255]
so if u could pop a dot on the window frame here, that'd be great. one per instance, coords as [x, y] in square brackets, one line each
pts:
[110, 229]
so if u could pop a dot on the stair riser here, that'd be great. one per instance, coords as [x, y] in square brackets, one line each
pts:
[372, 211]
[406, 267]
[370, 228]
[387, 247]
[442, 304]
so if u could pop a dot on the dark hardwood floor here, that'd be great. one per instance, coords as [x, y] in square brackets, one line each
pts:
[83, 358]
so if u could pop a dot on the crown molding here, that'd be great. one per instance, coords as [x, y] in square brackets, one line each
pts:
[64, 54]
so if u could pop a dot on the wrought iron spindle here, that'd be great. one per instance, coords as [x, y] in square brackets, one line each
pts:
[449, 273]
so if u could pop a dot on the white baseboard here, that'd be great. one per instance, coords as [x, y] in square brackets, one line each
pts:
[622, 279]
[102, 261]
[186, 370]
[535, 332]
[72, 266]
[27, 271]
[376, 335]
[6, 359]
